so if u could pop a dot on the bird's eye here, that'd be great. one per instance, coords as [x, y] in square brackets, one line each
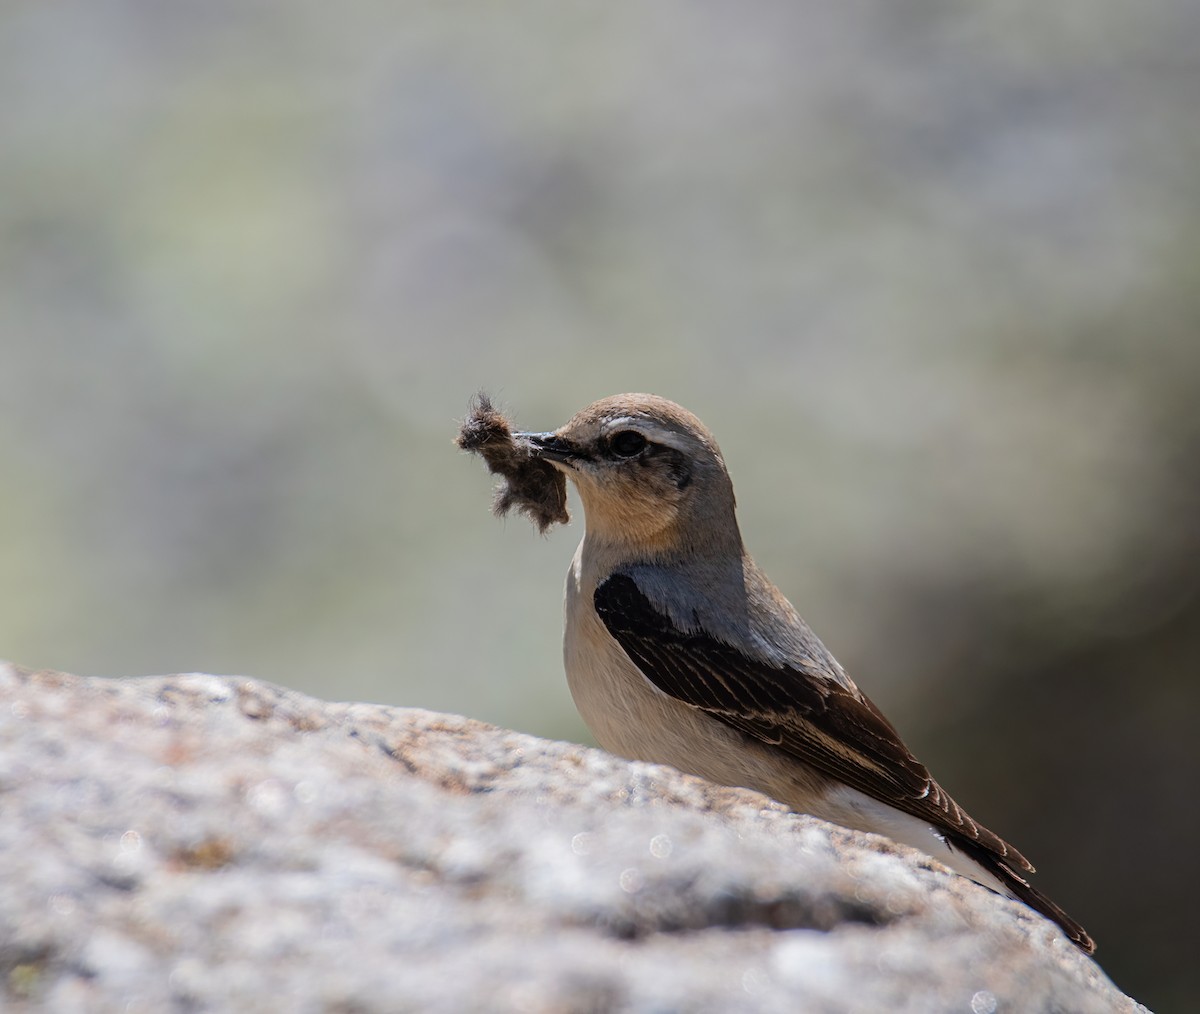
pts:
[628, 443]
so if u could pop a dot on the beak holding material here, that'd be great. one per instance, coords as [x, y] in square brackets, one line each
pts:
[551, 447]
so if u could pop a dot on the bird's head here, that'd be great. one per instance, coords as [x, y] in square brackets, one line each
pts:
[649, 473]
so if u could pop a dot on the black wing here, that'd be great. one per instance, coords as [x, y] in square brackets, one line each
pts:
[812, 716]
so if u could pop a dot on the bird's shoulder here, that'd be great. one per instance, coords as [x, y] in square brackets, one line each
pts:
[729, 602]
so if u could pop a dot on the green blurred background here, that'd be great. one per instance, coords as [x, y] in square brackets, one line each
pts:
[931, 272]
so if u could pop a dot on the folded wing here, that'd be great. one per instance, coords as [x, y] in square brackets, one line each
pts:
[811, 716]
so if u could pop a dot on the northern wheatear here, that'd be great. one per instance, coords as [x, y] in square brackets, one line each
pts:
[680, 651]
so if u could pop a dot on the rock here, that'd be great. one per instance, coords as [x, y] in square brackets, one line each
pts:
[209, 843]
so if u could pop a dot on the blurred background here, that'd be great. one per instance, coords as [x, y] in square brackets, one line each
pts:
[930, 272]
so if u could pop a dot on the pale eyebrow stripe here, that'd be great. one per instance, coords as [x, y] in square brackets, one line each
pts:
[625, 420]
[651, 430]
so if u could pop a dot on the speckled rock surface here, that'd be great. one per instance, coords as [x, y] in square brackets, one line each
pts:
[200, 843]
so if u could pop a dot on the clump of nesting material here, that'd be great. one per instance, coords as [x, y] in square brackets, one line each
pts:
[531, 485]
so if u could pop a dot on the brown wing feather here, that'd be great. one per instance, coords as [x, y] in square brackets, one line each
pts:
[816, 719]
[838, 732]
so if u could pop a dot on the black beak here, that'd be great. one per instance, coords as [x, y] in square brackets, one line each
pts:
[551, 447]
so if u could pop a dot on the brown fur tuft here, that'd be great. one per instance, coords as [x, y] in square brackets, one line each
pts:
[532, 486]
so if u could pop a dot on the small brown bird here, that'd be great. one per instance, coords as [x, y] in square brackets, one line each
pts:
[679, 650]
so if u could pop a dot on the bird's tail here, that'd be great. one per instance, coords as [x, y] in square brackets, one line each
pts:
[1022, 890]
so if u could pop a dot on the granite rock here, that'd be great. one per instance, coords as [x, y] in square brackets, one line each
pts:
[202, 843]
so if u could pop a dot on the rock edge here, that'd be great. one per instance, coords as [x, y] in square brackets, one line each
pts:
[202, 843]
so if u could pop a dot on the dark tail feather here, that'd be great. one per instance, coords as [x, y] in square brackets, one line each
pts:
[1026, 893]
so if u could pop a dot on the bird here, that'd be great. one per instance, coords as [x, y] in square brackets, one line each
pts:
[679, 650]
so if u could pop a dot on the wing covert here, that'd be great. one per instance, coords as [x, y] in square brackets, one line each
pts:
[809, 715]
